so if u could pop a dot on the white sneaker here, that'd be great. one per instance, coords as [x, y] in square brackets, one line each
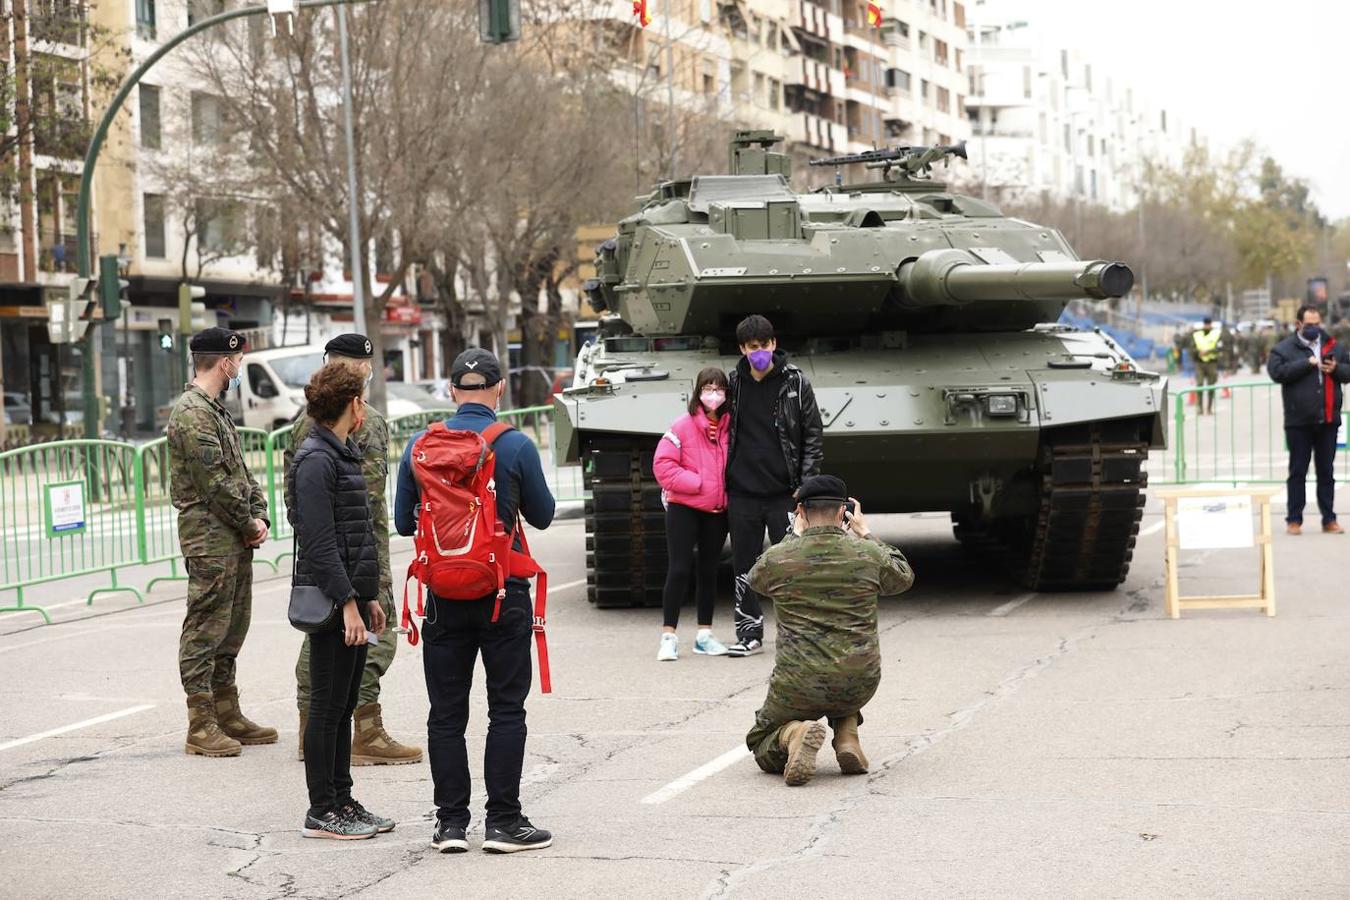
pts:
[707, 645]
[670, 648]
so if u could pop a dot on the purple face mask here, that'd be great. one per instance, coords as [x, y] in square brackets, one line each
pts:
[761, 359]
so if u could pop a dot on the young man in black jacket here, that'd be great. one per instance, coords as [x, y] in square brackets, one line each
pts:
[456, 632]
[775, 442]
[1311, 366]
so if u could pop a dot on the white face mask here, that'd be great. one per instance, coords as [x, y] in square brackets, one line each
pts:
[713, 400]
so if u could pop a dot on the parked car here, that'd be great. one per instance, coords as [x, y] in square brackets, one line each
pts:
[17, 410]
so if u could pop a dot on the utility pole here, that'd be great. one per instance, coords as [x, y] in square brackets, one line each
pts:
[670, 90]
[353, 199]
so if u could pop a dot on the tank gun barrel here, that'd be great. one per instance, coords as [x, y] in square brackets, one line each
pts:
[956, 277]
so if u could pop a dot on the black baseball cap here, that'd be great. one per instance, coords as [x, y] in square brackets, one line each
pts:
[475, 360]
[355, 346]
[822, 487]
[217, 340]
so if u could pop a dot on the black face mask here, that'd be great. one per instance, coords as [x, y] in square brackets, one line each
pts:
[1311, 333]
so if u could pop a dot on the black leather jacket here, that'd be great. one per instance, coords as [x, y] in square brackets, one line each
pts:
[330, 511]
[800, 432]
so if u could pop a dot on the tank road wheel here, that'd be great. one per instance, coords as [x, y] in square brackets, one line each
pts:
[625, 525]
[1092, 500]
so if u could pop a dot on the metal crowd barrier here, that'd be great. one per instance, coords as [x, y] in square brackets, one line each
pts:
[75, 508]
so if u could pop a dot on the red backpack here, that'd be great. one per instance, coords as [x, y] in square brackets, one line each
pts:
[461, 550]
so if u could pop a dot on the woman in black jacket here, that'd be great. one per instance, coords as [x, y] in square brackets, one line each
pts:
[336, 552]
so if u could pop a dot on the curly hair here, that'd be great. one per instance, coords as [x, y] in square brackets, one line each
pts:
[331, 389]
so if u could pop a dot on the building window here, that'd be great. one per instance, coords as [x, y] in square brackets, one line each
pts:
[940, 52]
[219, 226]
[208, 119]
[960, 13]
[145, 19]
[944, 100]
[152, 216]
[898, 79]
[149, 116]
[1026, 82]
[1068, 139]
[775, 90]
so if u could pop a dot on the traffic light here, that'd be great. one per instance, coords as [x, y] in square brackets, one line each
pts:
[499, 21]
[166, 335]
[110, 287]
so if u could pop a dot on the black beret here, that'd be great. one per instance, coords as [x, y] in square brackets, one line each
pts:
[217, 340]
[475, 359]
[356, 346]
[822, 487]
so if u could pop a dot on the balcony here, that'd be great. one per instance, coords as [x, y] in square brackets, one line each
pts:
[57, 252]
[814, 76]
[815, 20]
[815, 131]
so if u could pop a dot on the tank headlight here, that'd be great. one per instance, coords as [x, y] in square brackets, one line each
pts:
[1003, 405]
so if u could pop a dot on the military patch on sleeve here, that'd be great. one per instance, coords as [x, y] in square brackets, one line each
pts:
[211, 456]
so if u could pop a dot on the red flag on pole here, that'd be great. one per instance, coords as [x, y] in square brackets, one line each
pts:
[640, 10]
[874, 15]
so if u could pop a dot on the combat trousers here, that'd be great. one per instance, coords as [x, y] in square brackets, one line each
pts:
[748, 519]
[219, 606]
[784, 705]
[1206, 373]
[379, 657]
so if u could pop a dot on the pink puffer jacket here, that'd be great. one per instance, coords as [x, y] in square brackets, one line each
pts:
[691, 467]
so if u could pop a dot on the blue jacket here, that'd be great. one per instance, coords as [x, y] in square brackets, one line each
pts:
[520, 475]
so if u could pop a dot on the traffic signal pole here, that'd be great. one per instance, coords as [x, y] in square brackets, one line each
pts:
[83, 250]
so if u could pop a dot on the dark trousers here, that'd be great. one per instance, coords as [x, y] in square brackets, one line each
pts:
[335, 681]
[456, 631]
[1317, 442]
[749, 518]
[689, 531]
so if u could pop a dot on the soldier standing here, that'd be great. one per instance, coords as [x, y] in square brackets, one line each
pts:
[222, 516]
[824, 585]
[371, 745]
[1207, 344]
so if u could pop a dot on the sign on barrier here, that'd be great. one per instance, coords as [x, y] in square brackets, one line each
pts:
[65, 508]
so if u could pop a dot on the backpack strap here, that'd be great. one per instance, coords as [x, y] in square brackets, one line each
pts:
[496, 430]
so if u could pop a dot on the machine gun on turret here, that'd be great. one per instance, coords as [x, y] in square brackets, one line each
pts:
[898, 163]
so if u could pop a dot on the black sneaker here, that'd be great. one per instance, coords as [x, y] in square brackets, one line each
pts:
[449, 838]
[746, 648]
[336, 827]
[354, 810]
[520, 836]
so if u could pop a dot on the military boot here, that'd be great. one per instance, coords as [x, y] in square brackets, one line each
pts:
[235, 723]
[802, 741]
[204, 736]
[847, 750]
[372, 745]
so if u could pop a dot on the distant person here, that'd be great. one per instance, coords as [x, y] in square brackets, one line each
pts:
[222, 517]
[1311, 367]
[776, 441]
[335, 551]
[690, 464]
[824, 583]
[1207, 343]
[456, 632]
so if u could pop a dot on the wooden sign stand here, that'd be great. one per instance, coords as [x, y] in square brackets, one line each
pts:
[1264, 599]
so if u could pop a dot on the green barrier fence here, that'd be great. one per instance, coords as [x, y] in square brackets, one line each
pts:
[75, 508]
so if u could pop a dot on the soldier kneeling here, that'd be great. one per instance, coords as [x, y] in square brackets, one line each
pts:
[824, 584]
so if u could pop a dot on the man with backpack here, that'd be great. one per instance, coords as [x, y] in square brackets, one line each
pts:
[446, 479]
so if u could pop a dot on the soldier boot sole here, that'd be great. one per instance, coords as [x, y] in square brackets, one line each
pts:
[254, 742]
[384, 761]
[801, 764]
[851, 761]
[201, 751]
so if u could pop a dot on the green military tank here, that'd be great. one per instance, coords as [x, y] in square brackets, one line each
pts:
[925, 320]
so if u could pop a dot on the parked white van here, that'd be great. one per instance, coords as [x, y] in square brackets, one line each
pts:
[272, 389]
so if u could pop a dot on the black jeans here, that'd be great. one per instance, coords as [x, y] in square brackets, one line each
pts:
[689, 530]
[1319, 443]
[335, 681]
[456, 631]
[749, 518]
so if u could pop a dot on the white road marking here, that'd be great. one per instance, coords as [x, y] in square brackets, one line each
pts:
[1000, 611]
[685, 782]
[1153, 529]
[568, 584]
[97, 720]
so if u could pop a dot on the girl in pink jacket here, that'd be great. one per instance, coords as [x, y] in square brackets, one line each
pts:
[690, 464]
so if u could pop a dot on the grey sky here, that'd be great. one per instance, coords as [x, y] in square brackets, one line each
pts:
[1274, 72]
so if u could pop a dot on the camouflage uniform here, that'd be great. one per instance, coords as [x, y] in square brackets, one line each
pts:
[217, 500]
[824, 586]
[373, 441]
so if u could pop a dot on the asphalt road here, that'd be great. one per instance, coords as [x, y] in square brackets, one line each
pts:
[1022, 746]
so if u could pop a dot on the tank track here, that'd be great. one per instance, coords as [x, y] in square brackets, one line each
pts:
[625, 525]
[1092, 500]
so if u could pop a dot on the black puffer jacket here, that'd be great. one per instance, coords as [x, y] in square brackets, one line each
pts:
[800, 432]
[330, 511]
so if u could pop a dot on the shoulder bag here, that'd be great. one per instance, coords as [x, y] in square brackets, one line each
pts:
[310, 609]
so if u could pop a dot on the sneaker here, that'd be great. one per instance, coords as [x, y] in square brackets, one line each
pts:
[746, 648]
[354, 810]
[707, 645]
[336, 827]
[449, 838]
[520, 836]
[670, 648]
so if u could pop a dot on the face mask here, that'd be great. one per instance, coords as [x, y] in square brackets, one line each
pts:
[1311, 332]
[234, 380]
[360, 421]
[713, 400]
[760, 360]
[370, 376]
